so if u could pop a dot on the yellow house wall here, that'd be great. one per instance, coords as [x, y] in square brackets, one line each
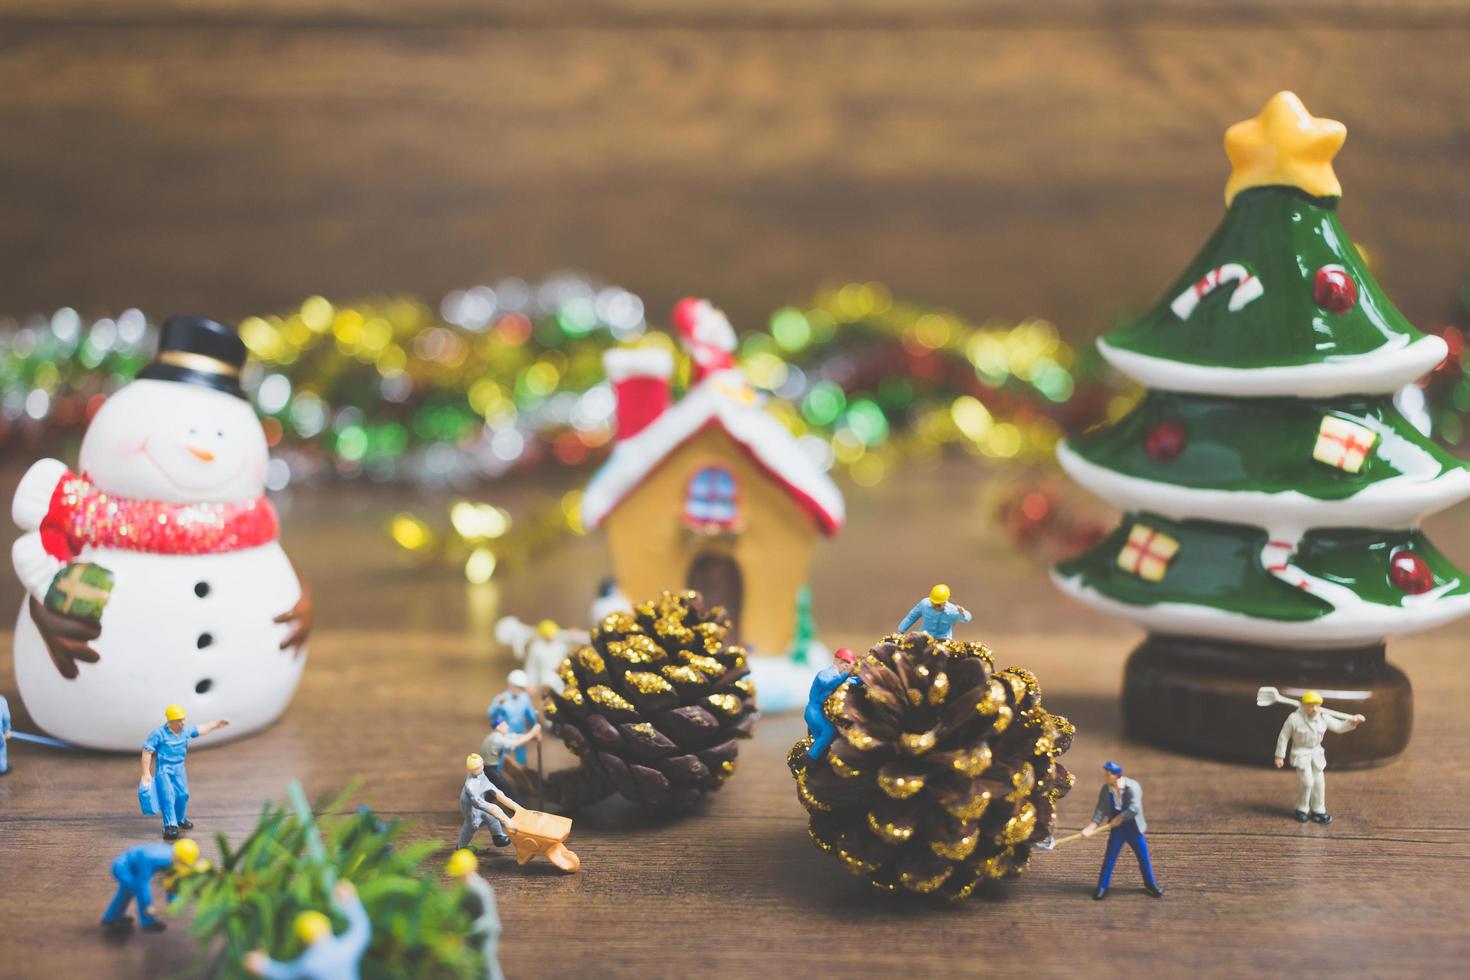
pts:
[652, 550]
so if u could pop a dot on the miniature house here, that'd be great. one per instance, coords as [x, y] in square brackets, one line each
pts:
[710, 493]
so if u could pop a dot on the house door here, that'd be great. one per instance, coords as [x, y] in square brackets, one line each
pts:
[717, 578]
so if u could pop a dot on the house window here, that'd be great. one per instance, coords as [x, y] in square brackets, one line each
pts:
[710, 502]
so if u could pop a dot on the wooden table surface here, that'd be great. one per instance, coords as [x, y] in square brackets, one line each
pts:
[402, 668]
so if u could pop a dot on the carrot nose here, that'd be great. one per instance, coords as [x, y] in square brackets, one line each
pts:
[203, 455]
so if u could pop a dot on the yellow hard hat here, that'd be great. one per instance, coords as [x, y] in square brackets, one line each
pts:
[186, 852]
[174, 712]
[939, 595]
[473, 762]
[547, 628]
[1311, 697]
[461, 863]
[312, 926]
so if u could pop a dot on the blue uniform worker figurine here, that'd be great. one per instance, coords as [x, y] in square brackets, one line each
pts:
[935, 615]
[1120, 810]
[513, 706]
[134, 870]
[327, 956]
[4, 734]
[829, 679]
[168, 744]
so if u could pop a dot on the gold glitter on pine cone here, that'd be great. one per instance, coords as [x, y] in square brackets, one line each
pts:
[944, 771]
[653, 706]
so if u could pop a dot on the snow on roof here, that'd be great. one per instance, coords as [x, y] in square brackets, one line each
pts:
[722, 399]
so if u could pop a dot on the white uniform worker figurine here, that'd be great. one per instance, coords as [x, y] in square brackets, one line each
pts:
[543, 647]
[610, 599]
[1302, 734]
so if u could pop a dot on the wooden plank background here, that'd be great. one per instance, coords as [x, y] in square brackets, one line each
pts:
[1005, 159]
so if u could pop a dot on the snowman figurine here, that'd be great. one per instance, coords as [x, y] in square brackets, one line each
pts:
[154, 574]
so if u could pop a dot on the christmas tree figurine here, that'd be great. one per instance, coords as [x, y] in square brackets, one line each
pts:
[1272, 491]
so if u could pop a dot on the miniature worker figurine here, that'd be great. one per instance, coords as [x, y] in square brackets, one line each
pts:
[4, 735]
[1302, 733]
[476, 810]
[502, 741]
[610, 599]
[513, 706]
[464, 866]
[935, 615]
[829, 679]
[169, 744]
[543, 647]
[544, 653]
[1120, 810]
[134, 870]
[327, 956]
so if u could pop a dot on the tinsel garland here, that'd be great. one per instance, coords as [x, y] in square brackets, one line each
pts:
[508, 377]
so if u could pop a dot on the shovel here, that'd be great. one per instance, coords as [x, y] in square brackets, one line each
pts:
[41, 740]
[1052, 845]
[1268, 696]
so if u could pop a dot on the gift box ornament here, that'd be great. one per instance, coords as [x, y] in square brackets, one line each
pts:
[81, 590]
[1343, 444]
[1147, 553]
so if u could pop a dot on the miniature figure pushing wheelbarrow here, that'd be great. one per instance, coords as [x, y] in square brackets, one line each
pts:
[531, 831]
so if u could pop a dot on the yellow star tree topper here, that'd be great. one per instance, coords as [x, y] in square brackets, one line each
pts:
[1285, 144]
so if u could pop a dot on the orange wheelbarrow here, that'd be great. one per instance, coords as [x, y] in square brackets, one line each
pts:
[534, 832]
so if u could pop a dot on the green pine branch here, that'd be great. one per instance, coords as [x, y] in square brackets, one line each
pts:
[289, 864]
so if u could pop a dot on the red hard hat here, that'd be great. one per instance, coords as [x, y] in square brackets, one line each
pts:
[843, 653]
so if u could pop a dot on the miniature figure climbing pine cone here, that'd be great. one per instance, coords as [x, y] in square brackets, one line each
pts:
[944, 770]
[653, 706]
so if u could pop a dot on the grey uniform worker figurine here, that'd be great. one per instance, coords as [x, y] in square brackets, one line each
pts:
[477, 811]
[464, 867]
[1302, 734]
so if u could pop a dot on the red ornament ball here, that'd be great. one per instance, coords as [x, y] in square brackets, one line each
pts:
[1164, 441]
[1334, 290]
[1409, 573]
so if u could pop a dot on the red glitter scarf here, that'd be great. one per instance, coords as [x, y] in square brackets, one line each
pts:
[82, 515]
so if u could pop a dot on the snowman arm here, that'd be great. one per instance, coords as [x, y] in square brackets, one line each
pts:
[34, 565]
[32, 501]
[298, 616]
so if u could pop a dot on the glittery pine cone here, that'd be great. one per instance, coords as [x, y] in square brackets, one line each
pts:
[943, 772]
[653, 706]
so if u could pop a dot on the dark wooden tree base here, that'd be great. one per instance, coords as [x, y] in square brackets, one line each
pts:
[1198, 696]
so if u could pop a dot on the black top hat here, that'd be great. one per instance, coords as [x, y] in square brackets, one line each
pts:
[198, 350]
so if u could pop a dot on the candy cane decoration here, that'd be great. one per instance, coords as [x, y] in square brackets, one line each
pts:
[1247, 288]
[1276, 559]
